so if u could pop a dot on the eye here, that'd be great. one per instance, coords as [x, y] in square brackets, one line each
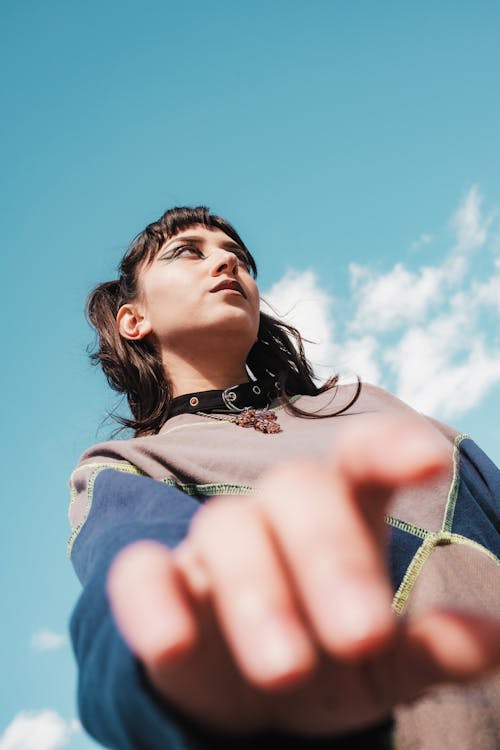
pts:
[244, 263]
[188, 250]
[242, 258]
[183, 250]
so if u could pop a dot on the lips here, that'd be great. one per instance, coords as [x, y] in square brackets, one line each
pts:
[230, 284]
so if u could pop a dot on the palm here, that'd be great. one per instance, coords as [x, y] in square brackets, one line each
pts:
[338, 696]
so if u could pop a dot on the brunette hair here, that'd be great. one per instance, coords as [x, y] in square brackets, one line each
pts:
[134, 368]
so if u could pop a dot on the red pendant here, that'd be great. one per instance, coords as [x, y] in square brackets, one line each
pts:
[264, 421]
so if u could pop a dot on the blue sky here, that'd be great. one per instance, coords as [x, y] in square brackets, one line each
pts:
[354, 146]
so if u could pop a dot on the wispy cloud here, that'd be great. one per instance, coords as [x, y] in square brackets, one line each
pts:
[38, 730]
[430, 333]
[470, 225]
[299, 299]
[46, 640]
[424, 239]
[393, 299]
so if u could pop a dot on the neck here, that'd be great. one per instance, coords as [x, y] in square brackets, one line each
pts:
[190, 374]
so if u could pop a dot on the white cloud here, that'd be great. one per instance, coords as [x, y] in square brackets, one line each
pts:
[431, 334]
[488, 292]
[46, 640]
[358, 355]
[38, 730]
[387, 301]
[470, 226]
[299, 298]
[443, 369]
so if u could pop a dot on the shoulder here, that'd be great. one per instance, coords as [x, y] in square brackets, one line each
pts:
[375, 395]
[377, 398]
[352, 398]
[113, 454]
[107, 450]
[374, 399]
[357, 398]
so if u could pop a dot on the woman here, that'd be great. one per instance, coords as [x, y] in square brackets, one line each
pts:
[265, 614]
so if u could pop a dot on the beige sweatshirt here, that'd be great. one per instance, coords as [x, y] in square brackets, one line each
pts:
[444, 532]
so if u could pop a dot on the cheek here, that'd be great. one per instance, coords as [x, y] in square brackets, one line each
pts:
[155, 301]
[256, 299]
[256, 309]
[252, 288]
[161, 294]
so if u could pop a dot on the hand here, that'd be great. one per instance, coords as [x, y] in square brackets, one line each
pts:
[276, 609]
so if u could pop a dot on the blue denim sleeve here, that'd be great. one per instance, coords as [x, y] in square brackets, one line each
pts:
[117, 706]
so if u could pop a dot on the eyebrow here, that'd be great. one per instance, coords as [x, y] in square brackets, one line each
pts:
[228, 244]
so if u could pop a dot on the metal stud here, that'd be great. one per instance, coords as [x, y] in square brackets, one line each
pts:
[193, 401]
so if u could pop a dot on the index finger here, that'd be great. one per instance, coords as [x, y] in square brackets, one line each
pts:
[377, 454]
[328, 520]
[378, 450]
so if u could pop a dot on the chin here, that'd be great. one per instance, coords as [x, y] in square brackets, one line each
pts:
[233, 320]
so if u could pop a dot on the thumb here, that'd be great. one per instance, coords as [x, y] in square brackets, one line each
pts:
[447, 646]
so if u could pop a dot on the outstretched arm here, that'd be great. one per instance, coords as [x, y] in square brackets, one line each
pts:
[275, 610]
[118, 704]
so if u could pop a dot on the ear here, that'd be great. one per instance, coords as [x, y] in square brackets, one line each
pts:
[132, 323]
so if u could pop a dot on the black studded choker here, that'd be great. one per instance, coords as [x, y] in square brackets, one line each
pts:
[256, 394]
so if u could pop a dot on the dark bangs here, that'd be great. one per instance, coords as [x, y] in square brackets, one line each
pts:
[149, 242]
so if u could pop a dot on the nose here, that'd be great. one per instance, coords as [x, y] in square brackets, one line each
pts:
[225, 262]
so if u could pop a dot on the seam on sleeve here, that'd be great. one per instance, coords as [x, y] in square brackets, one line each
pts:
[191, 488]
[433, 540]
[466, 542]
[98, 467]
[412, 572]
[408, 527]
[451, 502]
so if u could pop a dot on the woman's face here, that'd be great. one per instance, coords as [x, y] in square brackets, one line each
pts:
[199, 284]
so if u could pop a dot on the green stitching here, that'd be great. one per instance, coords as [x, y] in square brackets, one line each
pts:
[432, 540]
[106, 465]
[191, 488]
[193, 424]
[451, 502]
[411, 575]
[408, 527]
[465, 541]
[126, 468]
